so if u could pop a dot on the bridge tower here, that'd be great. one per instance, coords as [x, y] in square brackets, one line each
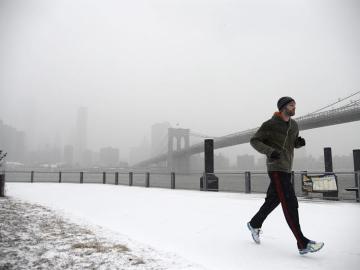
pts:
[178, 139]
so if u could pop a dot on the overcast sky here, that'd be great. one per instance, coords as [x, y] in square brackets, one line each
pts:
[214, 66]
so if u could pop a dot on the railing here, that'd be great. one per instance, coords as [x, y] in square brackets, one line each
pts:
[229, 181]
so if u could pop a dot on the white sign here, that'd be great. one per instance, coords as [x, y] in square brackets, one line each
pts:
[319, 183]
[327, 183]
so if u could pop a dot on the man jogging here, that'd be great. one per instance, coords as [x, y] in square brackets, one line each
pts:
[277, 138]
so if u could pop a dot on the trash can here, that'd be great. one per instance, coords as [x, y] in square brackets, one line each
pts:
[211, 184]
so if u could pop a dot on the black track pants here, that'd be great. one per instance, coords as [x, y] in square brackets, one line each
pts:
[281, 191]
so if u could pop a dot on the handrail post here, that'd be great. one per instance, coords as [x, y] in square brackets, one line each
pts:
[81, 177]
[116, 178]
[247, 182]
[59, 177]
[173, 180]
[357, 183]
[32, 177]
[131, 176]
[104, 177]
[2, 185]
[147, 180]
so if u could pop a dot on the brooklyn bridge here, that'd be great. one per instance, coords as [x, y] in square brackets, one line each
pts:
[176, 156]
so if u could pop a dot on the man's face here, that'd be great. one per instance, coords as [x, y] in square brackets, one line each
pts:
[290, 109]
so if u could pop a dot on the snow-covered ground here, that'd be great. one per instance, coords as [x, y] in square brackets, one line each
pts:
[35, 237]
[205, 228]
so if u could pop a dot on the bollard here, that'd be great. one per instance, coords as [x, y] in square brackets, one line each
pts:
[172, 180]
[357, 183]
[116, 178]
[329, 170]
[2, 185]
[147, 180]
[328, 159]
[32, 177]
[247, 182]
[81, 177]
[104, 177]
[356, 157]
[209, 181]
[59, 177]
[131, 176]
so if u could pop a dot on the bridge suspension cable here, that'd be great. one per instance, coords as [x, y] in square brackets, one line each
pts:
[352, 103]
[332, 104]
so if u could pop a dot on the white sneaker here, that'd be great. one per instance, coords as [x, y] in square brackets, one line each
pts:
[312, 246]
[255, 233]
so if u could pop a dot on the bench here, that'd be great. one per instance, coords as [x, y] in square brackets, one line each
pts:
[353, 189]
[357, 186]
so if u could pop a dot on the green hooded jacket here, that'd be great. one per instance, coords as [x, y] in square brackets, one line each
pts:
[276, 134]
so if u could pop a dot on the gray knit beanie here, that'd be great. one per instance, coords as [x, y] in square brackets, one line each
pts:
[283, 101]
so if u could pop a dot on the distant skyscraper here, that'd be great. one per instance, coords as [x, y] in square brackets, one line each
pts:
[81, 133]
[159, 139]
[12, 141]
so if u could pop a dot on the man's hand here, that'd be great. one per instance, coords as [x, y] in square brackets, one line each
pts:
[275, 155]
[300, 142]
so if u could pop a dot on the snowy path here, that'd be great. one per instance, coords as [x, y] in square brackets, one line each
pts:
[36, 237]
[207, 228]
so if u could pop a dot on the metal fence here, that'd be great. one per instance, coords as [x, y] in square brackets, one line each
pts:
[229, 181]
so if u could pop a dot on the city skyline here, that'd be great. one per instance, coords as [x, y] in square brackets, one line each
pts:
[109, 156]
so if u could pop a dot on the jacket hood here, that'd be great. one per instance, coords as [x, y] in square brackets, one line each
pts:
[277, 116]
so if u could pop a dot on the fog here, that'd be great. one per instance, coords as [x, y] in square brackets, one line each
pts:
[213, 66]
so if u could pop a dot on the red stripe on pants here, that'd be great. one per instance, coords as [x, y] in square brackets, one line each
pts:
[284, 205]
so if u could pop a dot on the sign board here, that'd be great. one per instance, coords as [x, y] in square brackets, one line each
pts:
[319, 183]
